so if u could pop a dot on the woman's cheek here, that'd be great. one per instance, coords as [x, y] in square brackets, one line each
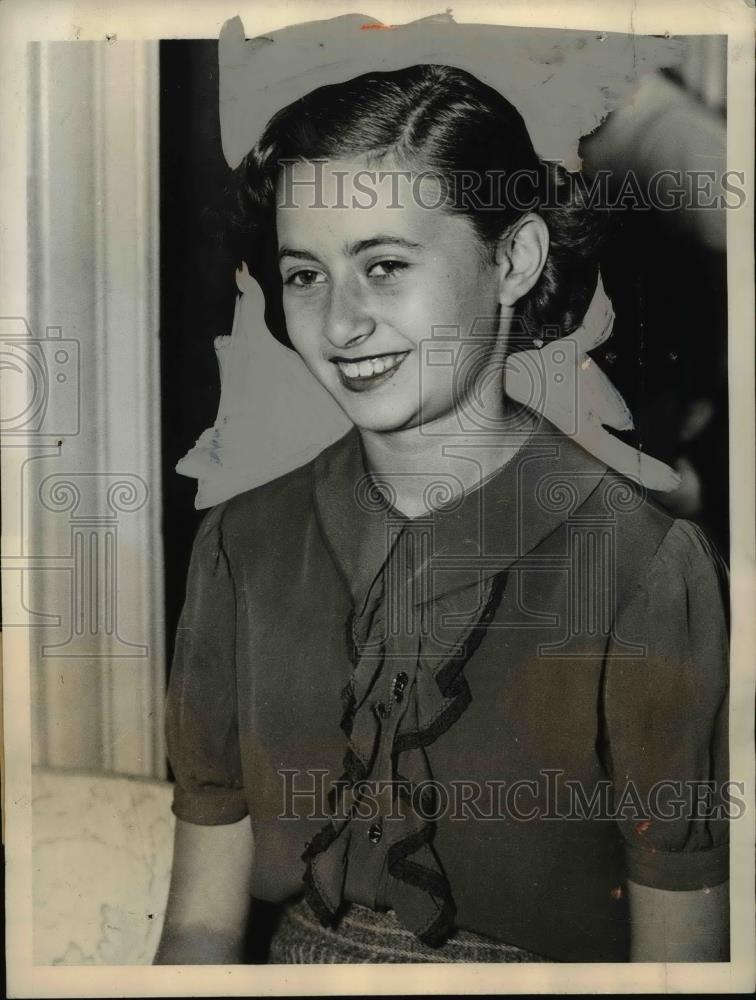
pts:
[415, 314]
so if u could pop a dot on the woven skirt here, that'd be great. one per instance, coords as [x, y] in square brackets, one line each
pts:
[363, 935]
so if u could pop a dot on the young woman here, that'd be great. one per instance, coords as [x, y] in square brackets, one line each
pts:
[445, 693]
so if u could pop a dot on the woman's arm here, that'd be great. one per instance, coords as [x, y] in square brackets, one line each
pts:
[209, 896]
[670, 926]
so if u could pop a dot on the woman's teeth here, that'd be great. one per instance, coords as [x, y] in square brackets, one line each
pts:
[370, 366]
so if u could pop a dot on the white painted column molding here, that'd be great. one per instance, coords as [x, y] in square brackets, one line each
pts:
[92, 496]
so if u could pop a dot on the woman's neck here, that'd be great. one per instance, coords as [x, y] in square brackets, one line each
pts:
[423, 467]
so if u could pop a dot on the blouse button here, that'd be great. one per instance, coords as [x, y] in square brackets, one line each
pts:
[375, 833]
[400, 683]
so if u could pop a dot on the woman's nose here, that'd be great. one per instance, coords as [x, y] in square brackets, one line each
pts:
[349, 320]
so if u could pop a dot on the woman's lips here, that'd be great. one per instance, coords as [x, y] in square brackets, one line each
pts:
[367, 373]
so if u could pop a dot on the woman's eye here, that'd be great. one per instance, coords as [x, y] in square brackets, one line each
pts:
[388, 269]
[305, 279]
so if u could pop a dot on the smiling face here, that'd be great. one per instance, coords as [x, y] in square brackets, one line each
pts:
[363, 288]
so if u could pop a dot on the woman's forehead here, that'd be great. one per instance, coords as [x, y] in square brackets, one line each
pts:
[352, 197]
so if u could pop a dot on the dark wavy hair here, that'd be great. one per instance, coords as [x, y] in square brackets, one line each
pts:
[428, 118]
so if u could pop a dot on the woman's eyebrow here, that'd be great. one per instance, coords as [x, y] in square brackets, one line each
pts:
[352, 249]
[379, 240]
[298, 254]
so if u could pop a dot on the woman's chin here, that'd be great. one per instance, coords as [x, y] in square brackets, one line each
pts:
[382, 421]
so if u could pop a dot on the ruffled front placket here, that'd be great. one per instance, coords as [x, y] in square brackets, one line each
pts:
[405, 690]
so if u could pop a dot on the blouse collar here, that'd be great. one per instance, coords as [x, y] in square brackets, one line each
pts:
[488, 528]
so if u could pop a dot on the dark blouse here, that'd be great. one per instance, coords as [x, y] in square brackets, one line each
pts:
[595, 706]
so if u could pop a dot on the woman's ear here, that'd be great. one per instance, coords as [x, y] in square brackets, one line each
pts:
[521, 256]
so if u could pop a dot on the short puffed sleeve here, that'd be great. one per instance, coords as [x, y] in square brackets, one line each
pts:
[665, 716]
[201, 708]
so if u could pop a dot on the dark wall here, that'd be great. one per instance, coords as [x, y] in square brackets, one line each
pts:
[668, 355]
[197, 284]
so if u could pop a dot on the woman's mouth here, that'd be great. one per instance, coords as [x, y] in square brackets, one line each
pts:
[365, 373]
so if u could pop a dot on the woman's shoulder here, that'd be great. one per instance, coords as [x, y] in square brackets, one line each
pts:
[684, 584]
[640, 515]
[676, 545]
[687, 548]
[595, 492]
[688, 569]
[653, 547]
[275, 509]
